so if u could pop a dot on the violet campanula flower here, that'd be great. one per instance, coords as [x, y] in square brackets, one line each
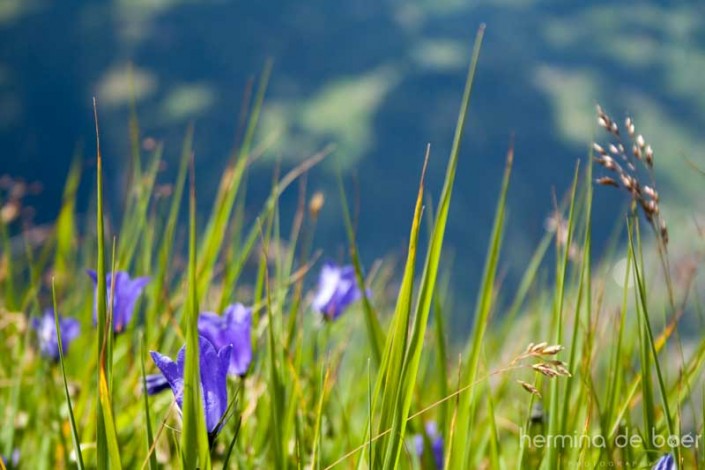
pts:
[213, 366]
[156, 383]
[667, 462]
[233, 327]
[45, 326]
[125, 296]
[436, 441]
[337, 289]
[13, 461]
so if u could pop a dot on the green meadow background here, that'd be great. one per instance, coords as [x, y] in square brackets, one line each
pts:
[379, 79]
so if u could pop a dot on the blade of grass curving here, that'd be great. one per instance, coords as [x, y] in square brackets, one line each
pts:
[374, 329]
[528, 279]
[616, 384]
[389, 379]
[231, 446]
[101, 290]
[583, 295]
[167, 241]
[72, 420]
[269, 205]
[134, 128]
[195, 448]
[275, 386]
[482, 314]
[110, 431]
[64, 259]
[315, 452]
[554, 417]
[8, 279]
[441, 354]
[642, 307]
[136, 221]
[494, 442]
[147, 417]
[410, 365]
[229, 187]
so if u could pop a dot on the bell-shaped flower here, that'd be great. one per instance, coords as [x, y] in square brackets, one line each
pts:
[667, 462]
[337, 289]
[45, 327]
[126, 292]
[234, 328]
[435, 440]
[156, 383]
[213, 366]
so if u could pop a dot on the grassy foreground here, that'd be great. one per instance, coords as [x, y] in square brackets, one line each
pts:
[556, 374]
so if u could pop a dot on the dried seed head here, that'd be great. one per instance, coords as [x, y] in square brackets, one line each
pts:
[664, 232]
[607, 161]
[598, 148]
[316, 204]
[552, 350]
[627, 181]
[546, 370]
[636, 151]
[607, 181]
[651, 192]
[529, 388]
[649, 155]
[9, 212]
[614, 129]
[561, 368]
[537, 348]
[640, 141]
[629, 124]
[613, 149]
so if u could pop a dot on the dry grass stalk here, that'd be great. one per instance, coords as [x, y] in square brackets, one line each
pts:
[624, 167]
[546, 365]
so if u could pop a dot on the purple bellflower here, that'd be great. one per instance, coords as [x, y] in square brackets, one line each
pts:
[667, 462]
[13, 461]
[124, 296]
[45, 327]
[232, 328]
[436, 441]
[156, 383]
[337, 289]
[213, 366]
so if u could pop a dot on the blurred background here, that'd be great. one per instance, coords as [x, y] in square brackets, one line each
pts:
[378, 78]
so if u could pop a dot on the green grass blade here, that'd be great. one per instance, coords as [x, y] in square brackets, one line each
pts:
[374, 329]
[482, 314]
[642, 307]
[229, 187]
[147, 417]
[101, 290]
[195, 449]
[554, 417]
[110, 430]
[428, 280]
[389, 380]
[159, 296]
[72, 420]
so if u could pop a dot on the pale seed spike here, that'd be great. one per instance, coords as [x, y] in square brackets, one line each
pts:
[649, 155]
[607, 181]
[598, 148]
[640, 141]
[552, 350]
[529, 388]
